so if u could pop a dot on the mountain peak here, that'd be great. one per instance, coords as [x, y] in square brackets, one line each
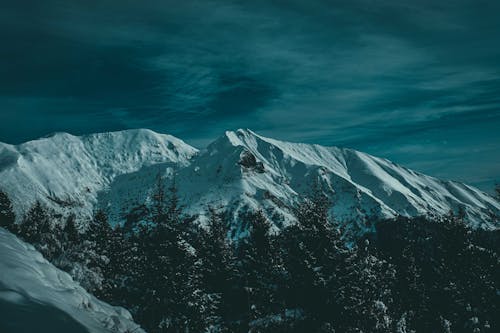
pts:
[138, 135]
[72, 171]
[57, 134]
[240, 137]
[240, 169]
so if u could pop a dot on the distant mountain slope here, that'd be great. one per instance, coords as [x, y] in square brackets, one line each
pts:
[242, 170]
[239, 171]
[37, 297]
[67, 172]
[360, 186]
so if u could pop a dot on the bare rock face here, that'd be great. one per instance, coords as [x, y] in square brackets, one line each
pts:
[249, 162]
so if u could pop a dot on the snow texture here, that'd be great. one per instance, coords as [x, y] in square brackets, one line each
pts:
[239, 171]
[67, 172]
[41, 298]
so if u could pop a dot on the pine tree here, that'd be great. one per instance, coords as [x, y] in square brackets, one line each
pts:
[443, 279]
[71, 232]
[173, 297]
[159, 200]
[259, 268]
[303, 287]
[39, 229]
[166, 210]
[7, 216]
[217, 267]
[96, 257]
[117, 271]
[314, 257]
[35, 223]
[137, 269]
[363, 292]
[100, 232]
[174, 209]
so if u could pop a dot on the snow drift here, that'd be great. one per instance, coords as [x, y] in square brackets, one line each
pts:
[35, 296]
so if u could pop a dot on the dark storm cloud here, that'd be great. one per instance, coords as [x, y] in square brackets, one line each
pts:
[414, 81]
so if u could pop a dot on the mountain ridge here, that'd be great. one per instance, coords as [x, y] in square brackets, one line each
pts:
[73, 169]
[240, 170]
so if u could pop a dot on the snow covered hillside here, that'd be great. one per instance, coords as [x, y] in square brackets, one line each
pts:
[67, 172]
[37, 297]
[242, 170]
[239, 171]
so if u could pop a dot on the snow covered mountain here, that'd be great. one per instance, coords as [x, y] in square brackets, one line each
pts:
[29, 284]
[67, 172]
[239, 171]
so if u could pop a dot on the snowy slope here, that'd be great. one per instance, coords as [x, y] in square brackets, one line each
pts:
[67, 172]
[239, 171]
[360, 186]
[37, 297]
[242, 170]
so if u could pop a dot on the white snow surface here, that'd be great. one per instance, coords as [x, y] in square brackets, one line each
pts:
[119, 171]
[67, 172]
[29, 282]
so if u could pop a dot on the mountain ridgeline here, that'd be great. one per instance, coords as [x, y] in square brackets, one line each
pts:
[241, 171]
[250, 234]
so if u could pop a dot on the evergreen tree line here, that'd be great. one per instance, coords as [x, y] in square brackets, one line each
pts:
[410, 275]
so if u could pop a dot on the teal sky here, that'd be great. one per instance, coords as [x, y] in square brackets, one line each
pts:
[417, 82]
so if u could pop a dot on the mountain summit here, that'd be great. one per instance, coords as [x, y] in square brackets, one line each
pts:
[239, 171]
[68, 173]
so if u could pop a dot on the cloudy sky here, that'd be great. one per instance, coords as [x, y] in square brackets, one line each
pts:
[417, 82]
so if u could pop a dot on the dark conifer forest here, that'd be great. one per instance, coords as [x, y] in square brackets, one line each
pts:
[426, 274]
